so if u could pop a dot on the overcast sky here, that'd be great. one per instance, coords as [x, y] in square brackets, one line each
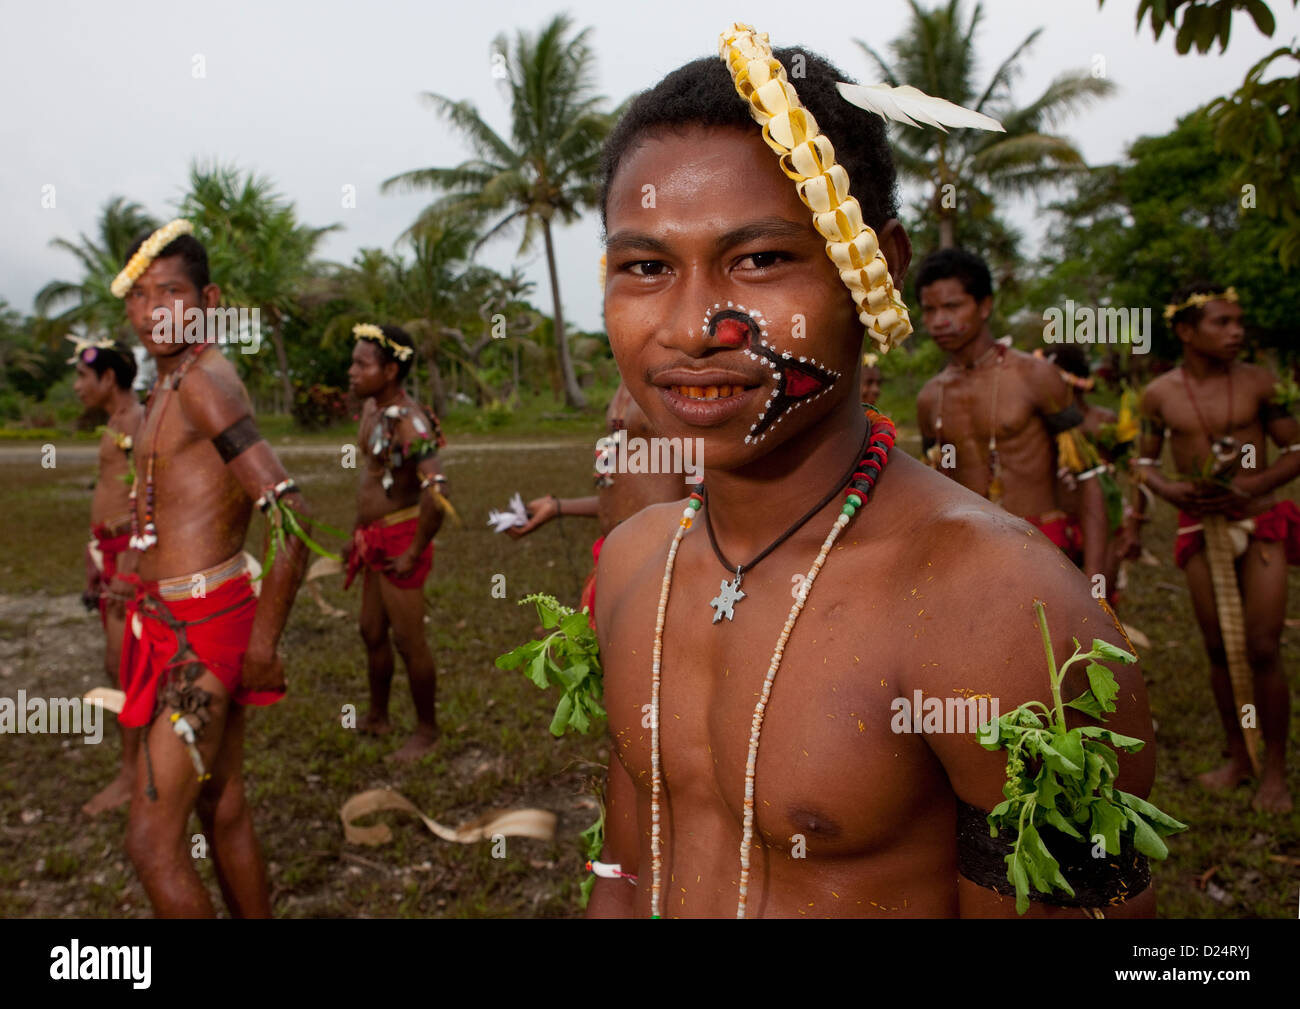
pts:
[103, 99]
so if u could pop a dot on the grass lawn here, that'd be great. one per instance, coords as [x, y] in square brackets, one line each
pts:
[495, 752]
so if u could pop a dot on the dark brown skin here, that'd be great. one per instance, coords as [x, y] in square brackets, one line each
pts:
[1210, 349]
[1027, 389]
[111, 505]
[202, 511]
[384, 606]
[930, 587]
[871, 381]
[629, 493]
[1101, 551]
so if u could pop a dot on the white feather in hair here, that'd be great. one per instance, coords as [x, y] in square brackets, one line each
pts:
[907, 104]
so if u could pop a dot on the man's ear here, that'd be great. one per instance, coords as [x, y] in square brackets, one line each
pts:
[210, 296]
[897, 248]
[986, 307]
[390, 372]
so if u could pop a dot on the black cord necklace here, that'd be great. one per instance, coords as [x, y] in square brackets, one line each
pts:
[729, 592]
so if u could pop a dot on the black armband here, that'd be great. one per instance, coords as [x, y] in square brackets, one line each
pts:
[1272, 411]
[1097, 882]
[1063, 420]
[235, 440]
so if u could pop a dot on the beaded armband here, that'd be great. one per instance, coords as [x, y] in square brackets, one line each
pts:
[609, 870]
[434, 483]
[271, 496]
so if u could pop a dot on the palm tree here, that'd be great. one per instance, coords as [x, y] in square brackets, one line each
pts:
[548, 170]
[964, 169]
[258, 252]
[90, 302]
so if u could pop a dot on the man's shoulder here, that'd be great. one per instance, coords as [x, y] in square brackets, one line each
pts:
[1260, 380]
[212, 394]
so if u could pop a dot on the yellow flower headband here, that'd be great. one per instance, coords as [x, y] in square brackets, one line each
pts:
[1197, 300]
[869, 360]
[147, 253]
[80, 346]
[367, 331]
[808, 157]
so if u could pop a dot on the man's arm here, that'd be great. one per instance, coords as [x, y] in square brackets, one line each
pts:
[220, 414]
[1282, 427]
[1094, 525]
[1005, 658]
[925, 407]
[541, 510]
[1053, 399]
[431, 516]
[616, 898]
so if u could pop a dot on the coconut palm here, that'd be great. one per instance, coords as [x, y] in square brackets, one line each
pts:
[90, 303]
[547, 171]
[965, 169]
[259, 254]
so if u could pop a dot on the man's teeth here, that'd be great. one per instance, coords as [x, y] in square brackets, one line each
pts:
[708, 391]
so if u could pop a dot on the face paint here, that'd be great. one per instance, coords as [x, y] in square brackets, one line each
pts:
[799, 380]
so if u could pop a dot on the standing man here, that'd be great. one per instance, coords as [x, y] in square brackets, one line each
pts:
[395, 525]
[199, 646]
[105, 373]
[989, 420]
[1220, 413]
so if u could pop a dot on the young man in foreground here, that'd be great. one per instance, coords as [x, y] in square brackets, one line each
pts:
[105, 373]
[724, 288]
[199, 645]
[1220, 413]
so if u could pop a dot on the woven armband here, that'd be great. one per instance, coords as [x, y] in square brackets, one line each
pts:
[1063, 420]
[235, 440]
[274, 494]
[1097, 882]
[1272, 411]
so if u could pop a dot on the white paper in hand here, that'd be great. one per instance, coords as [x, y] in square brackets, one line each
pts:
[515, 516]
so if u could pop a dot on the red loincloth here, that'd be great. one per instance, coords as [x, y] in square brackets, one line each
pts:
[589, 589]
[386, 538]
[1064, 531]
[1280, 524]
[109, 547]
[219, 644]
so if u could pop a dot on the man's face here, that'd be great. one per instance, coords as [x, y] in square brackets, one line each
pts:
[158, 289]
[94, 391]
[370, 372]
[1220, 332]
[870, 384]
[952, 316]
[718, 257]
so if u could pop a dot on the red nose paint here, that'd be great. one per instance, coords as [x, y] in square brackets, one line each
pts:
[799, 384]
[732, 332]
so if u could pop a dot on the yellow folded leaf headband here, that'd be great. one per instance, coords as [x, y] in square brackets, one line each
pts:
[89, 348]
[147, 253]
[808, 157]
[1197, 300]
[367, 331]
[869, 360]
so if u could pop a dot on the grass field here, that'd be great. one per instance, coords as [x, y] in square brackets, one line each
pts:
[495, 751]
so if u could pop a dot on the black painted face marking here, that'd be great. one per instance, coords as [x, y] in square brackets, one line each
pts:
[799, 380]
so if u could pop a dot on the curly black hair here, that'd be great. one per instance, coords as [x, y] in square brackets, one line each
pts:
[1192, 313]
[118, 357]
[189, 248]
[701, 93]
[960, 264]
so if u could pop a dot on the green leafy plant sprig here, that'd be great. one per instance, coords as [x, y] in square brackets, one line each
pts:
[568, 658]
[1064, 778]
[285, 521]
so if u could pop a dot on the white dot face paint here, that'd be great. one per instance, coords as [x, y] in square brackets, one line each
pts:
[796, 382]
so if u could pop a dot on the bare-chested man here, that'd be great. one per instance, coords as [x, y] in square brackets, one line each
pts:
[618, 496]
[1214, 405]
[395, 525]
[105, 374]
[199, 645]
[989, 419]
[929, 588]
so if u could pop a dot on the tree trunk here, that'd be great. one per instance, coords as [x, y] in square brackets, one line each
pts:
[282, 361]
[947, 231]
[572, 394]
